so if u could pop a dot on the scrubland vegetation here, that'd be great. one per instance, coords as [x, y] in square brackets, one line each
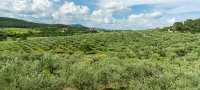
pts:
[50, 57]
[110, 60]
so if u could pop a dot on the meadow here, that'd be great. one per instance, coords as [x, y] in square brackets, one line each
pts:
[117, 60]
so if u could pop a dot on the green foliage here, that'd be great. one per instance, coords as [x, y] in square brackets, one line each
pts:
[192, 26]
[3, 36]
[87, 48]
[178, 26]
[121, 60]
[14, 27]
[16, 23]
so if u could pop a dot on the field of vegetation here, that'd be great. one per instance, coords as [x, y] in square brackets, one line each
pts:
[35, 56]
[135, 60]
[16, 30]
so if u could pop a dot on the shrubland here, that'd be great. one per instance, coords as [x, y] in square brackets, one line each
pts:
[146, 60]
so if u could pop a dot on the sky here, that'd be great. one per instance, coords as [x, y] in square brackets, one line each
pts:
[108, 14]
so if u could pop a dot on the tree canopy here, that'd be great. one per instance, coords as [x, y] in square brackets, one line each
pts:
[189, 25]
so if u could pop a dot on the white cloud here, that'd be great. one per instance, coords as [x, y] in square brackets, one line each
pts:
[14, 5]
[41, 5]
[144, 17]
[101, 16]
[20, 5]
[136, 2]
[139, 2]
[41, 10]
[106, 12]
[104, 15]
[56, 0]
[184, 9]
[163, 15]
[171, 20]
[167, 6]
[23, 6]
[69, 11]
[115, 7]
[134, 21]
[70, 7]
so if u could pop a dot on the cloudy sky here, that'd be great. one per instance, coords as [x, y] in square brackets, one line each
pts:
[109, 14]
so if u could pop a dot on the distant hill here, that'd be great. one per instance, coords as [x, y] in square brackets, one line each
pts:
[16, 23]
[76, 25]
[44, 30]
[79, 25]
[98, 28]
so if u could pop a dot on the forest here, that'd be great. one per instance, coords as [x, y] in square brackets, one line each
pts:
[78, 58]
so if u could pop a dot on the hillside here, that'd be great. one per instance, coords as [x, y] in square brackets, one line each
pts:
[109, 60]
[16, 23]
[19, 29]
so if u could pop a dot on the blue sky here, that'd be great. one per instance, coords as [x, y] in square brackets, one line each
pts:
[109, 14]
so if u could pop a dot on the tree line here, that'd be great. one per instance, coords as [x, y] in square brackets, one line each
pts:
[190, 25]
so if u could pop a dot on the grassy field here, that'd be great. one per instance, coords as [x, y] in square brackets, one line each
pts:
[146, 60]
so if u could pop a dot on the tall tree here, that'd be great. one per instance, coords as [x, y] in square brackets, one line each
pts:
[178, 26]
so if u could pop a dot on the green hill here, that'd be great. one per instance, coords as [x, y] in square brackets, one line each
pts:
[16, 23]
[15, 29]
